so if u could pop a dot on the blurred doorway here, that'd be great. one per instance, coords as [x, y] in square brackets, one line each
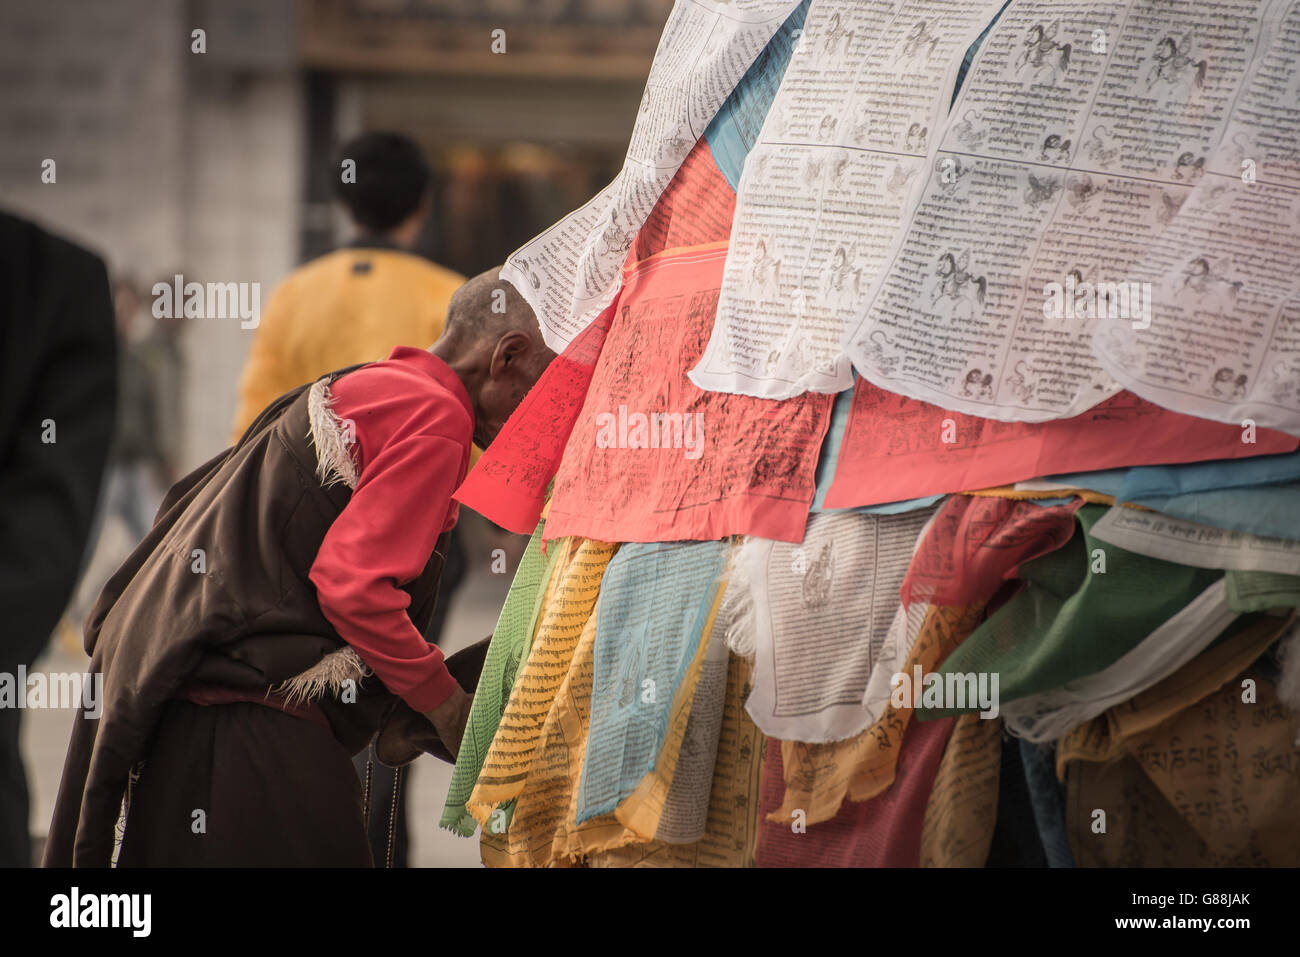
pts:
[517, 138]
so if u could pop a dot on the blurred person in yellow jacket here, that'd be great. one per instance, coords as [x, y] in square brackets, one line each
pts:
[359, 302]
[355, 305]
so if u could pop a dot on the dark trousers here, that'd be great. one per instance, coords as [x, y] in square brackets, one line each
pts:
[243, 785]
[15, 841]
[15, 838]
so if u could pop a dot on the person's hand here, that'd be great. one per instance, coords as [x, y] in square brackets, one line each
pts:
[449, 719]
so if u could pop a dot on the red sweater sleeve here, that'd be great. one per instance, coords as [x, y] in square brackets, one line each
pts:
[386, 533]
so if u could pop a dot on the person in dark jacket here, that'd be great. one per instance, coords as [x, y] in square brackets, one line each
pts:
[57, 396]
[270, 623]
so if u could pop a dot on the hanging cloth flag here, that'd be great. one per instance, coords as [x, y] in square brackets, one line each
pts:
[570, 273]
[511, 640]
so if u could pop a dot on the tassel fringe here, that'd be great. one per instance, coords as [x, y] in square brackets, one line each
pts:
[327, 676]
[331, 437]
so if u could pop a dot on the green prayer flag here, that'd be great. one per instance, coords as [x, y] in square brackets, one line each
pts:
[511, 640]
[1083, 607]
[1260, 591]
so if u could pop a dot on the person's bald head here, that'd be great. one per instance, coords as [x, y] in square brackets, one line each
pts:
[492, 342]
[487, 307]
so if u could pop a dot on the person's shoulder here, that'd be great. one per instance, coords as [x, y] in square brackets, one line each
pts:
[424, 270]
[312, 269]
[299, 277]
[25, 240]
[310, 280]
[422, 399]
[444, 276]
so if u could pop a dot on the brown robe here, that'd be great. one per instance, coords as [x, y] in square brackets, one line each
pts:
[217, 595]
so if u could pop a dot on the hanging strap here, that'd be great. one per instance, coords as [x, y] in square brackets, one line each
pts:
[365, 790]
[392, 815]
[391, 851]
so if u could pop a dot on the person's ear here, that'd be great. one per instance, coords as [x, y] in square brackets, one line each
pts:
[508, 354]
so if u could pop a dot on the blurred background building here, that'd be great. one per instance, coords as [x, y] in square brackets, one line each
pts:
[217, 165]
